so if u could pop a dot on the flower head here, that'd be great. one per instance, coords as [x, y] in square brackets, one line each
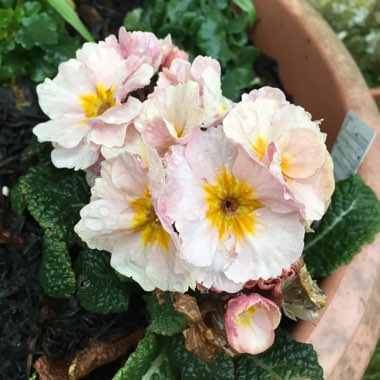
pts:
[284, 138]
[233, 222]
[121, 218]
[250, 322]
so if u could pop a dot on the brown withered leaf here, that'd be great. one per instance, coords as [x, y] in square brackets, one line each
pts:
[203, 341]
[48, 370]
[94, 355]
[98, 353]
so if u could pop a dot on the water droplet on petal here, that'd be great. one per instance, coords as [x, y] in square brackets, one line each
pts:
[104, 211]
[94, 224]
[177, 160]
[199, 157]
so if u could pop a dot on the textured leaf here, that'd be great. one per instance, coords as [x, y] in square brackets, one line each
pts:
[18, 200]
[99, 288]
[56, 274]
[285, 360]
[189, 367]
[164, 319]
[140, 361]
[353, 219]
[54, 197]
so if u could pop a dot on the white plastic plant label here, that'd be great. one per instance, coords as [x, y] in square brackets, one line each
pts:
[352, 144]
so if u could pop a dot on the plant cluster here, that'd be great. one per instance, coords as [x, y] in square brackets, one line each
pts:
[33, 40]
[357, 23]
[191, 202]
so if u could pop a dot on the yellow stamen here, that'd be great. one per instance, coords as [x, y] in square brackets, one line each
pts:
[96, 104]
[260, 147]
[285, 162]
[231, 205]
[147, 222]
[245, 319]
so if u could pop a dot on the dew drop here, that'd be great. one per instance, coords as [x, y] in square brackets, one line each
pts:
[177, 160]
[104, 211]
[199, 157]
[94, 224]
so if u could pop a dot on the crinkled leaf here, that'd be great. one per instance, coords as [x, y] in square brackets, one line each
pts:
[353, 219]
[140, 361]
[37, 149]
[190, 367]
[54, 197]
[56, 274]
[285, 360]
[99, 288]
[164, 319]
[18, 200]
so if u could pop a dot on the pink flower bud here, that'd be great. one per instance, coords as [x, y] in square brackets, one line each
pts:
[250, 322]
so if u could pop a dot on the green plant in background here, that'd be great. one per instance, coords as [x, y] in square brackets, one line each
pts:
[217, 28]
[33, 40]
[357, 23]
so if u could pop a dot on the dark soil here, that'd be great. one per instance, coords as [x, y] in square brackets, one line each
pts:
[32, 324]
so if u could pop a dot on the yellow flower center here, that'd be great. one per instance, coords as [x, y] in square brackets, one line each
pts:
[231, 205]
[147, 222]
[96, 104]
[245, 319]
[260, 147]
[285, 163]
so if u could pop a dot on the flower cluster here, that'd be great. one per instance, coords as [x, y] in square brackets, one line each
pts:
[189, 189]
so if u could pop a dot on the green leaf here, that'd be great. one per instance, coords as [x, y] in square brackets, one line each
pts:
[37, 30]
[140, 361]
[99, 288]
[164, 319]
[132, 20]
[56, 274]
[68, 13]
[353, 219]
[248, 8]
[54, 198]
[18, 200]
[190, 367]
[237, 79]
[36, 149]
[285, 360]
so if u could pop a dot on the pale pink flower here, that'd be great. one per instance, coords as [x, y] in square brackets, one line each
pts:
[187, 97]
[206, 72]
[284, 138]
[250, 322]
[88, 104]
[233, 222]
[171, 52]
[169, 117]
[121, 219]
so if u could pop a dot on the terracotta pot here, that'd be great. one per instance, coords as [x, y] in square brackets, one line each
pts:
[320, 75]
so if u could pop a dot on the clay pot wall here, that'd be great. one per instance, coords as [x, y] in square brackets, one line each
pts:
[320, 75]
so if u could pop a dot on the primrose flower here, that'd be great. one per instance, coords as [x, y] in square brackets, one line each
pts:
[284, 138]
[187, 97]
[88, 104]
[250, 322]
[121, 218]
[233, 222]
